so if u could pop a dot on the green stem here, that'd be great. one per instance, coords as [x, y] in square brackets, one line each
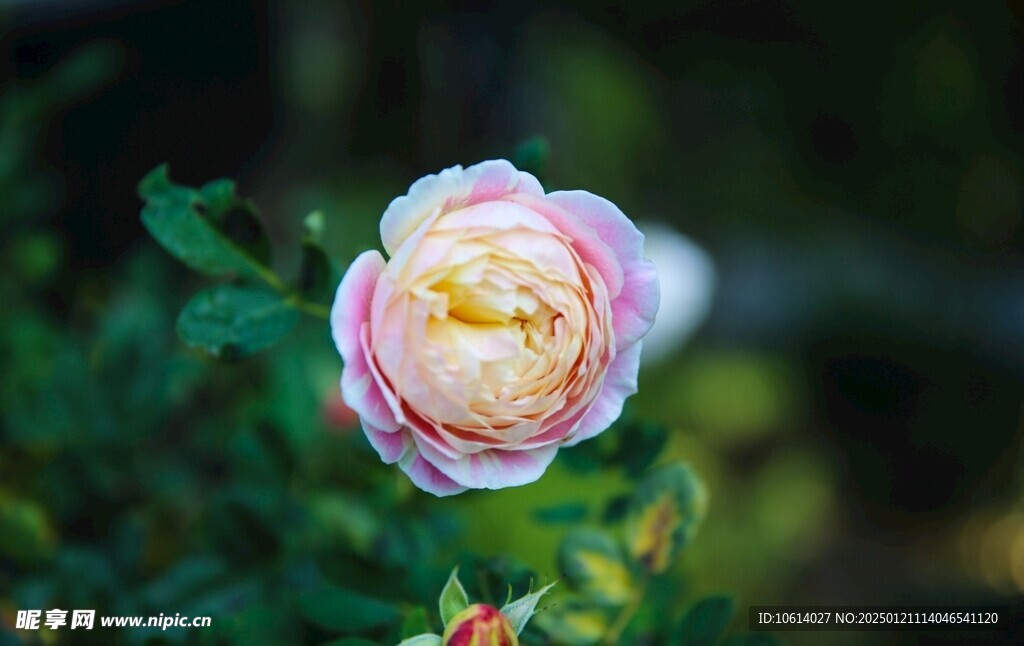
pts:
[294, 298]
[269, 277]
[314, 309]
[611, 638]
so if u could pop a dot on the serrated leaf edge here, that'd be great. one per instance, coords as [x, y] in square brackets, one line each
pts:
[521, 610]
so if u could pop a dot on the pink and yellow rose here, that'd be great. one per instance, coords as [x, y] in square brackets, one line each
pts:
[506, 323]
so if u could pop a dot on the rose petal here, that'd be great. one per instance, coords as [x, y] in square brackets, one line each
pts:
[619, 384]
[350, 315]
[352, 302]
[362, 393]
[383, 397]
[389, 445]
[585, 240]
[452, 188]
[492, 469]
[634, 309]
[424, 432]
[426, 476]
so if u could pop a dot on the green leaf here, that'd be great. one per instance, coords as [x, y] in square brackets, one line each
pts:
[26, 531]
[230, 321]
[570, 512]
[249, 511]
[453, 597]
[753, 639]
[520, 610]
[574, 623]
[260, 624]
[224, 600]
[415, 622]
[236, 218]
[351, 641]
[593, 564]
[422, 640]
[615, 509]
[34, 257]
[705, 622]
[210, 229]
[339, 519]
[597, 454]
[642, 442]
[183, 580]
[336, 609]
[87, 68]
[664, 513]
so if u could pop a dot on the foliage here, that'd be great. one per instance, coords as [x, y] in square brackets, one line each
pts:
[139, 479]
[611, 579]
[215, 232]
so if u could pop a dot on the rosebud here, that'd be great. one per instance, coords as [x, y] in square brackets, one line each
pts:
[480, 625]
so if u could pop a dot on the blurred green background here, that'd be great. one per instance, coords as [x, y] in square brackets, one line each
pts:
[852, 397]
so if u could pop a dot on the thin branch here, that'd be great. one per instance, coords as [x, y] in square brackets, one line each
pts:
[611, 638]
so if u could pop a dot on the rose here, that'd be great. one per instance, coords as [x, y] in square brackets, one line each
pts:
[480, 625]
[506, 323]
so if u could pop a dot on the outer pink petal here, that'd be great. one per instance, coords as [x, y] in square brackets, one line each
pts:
[494, 468]
[586, 242]
[619, 384]
[426, 476]
[390, 446]
[352, 302]
[451, 189]
[382, 403]
[362, 393]
[633, 310]
[349, 315]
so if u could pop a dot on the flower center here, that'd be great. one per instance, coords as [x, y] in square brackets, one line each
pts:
[497, 334]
